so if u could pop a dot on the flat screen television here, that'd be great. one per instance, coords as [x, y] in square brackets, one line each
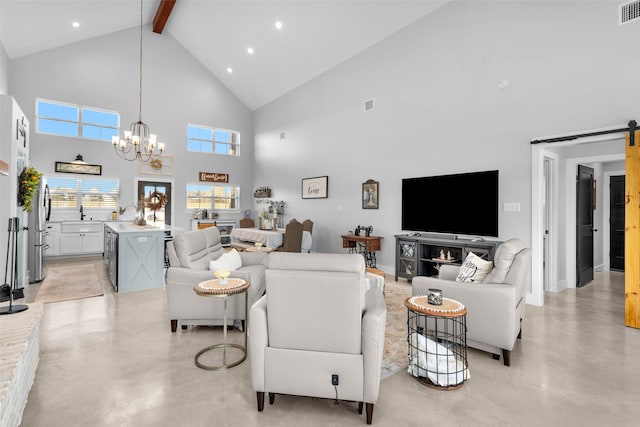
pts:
[465, 203]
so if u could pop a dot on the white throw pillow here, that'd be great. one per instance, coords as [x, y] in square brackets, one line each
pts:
[505, 254]
[229, 261]
[473, 269]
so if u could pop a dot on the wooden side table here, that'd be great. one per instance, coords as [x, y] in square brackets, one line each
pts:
[368, 246]
[212, 288]
[437, 341]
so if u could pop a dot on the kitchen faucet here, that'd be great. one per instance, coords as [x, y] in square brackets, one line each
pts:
[82, 215]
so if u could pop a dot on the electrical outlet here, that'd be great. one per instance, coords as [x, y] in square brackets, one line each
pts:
[334, 379]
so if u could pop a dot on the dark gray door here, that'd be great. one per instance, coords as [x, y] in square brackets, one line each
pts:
[152, 188]
[584, 223]
[616, 223]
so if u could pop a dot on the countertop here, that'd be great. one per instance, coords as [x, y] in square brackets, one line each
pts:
[130, 227]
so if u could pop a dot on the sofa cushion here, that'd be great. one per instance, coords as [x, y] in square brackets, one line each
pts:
[230, 261]
[194, 249]
[505, 254]
[473, 269]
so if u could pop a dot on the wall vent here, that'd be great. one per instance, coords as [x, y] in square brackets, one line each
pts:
[628, 12]
[368, 104]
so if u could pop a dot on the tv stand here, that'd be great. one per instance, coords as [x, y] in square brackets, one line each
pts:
[418, 254]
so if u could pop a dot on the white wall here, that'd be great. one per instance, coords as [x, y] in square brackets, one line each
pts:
[438, 109]
[4, 71]
[177, 90]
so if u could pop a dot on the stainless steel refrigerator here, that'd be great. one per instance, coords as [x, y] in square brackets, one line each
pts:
[38, 222]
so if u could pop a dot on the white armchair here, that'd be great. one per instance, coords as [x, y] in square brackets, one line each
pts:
[495, 306]
[316, 320]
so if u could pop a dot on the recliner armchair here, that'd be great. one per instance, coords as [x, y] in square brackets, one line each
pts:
[317, 319]
[495, 306]
[189, 256]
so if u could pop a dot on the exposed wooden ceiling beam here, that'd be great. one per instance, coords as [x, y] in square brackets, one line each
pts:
[162, 15]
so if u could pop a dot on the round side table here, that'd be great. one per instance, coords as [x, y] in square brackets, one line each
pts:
[212, 288]
[437, 341]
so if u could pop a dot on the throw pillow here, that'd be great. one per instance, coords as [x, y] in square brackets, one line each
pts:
[503, 258]
[230, 261]
[473, 269]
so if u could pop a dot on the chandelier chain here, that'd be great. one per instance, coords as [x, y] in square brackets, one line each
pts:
[140, 91]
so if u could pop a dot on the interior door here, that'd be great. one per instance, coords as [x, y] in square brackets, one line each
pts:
[616, 223]
[584, 224]
[149, 189]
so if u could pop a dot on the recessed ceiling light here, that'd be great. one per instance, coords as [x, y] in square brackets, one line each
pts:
[229, 70]
[250, 50]
[76, 24]
[279, 25]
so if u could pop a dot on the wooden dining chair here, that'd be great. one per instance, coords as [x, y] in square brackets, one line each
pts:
[247, 223]
[292, 240]
[307, 225]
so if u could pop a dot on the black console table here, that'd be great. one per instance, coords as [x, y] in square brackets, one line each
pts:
[420, 254]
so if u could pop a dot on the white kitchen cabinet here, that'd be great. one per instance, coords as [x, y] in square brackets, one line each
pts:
[52, 239]
[78, 237]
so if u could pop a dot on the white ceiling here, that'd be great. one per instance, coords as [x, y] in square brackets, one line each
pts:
[316, 35]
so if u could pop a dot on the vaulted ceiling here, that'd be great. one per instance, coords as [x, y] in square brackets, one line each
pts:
[316, 35]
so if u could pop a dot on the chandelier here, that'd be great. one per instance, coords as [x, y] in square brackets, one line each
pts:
[138, 142]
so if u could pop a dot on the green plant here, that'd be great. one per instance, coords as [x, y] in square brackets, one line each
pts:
[29, 179]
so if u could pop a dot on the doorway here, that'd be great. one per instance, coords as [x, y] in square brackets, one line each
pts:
[616, 223]
[158, 200]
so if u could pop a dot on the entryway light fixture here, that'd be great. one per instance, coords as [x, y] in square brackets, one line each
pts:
[138, 142]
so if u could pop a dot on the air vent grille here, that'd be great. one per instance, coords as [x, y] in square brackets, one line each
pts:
[628, 12]
[368, 105]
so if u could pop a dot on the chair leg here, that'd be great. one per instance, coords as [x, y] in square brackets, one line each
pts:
[506, 356]
[272, 398]
[369, 413]
[495, 356]
[174, 325]
[360, 405]
[260, 398]
[520, 334]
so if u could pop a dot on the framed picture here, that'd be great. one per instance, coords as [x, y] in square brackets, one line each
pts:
[370, 194]
[79, 168]
[315, 188]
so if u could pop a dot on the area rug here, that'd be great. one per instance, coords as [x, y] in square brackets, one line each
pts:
[395, 358]
[69, 283]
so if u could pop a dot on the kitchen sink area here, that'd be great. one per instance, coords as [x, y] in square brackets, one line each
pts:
[74, 237]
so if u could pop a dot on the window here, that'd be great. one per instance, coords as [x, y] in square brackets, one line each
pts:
[96, 193]
[57, 118]
[205, 139]
[207, 196]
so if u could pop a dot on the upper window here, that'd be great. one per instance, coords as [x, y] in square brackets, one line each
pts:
[57, 118]
[206, 139]
[207, 196]
[71, 193]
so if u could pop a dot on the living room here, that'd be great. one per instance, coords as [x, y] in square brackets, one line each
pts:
[439, 108]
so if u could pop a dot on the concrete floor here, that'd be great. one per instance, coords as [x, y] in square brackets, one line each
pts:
[112, 361]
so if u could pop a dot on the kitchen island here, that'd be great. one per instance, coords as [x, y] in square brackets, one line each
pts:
[134, 255]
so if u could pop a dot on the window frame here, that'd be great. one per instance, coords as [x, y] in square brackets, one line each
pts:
[212, 199]
[233, 147]
[79, 122]
[79, 193]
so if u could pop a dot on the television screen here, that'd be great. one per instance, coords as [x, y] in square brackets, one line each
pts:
[464, 203]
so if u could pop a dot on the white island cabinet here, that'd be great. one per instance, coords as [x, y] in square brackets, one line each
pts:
[134, 256]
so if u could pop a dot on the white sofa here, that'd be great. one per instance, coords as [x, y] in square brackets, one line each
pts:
[189, 256]
[495, 306]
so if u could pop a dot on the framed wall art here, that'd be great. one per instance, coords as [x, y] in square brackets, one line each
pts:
[163, 165]
[370, 194]
[315, 188]
[84, 168]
